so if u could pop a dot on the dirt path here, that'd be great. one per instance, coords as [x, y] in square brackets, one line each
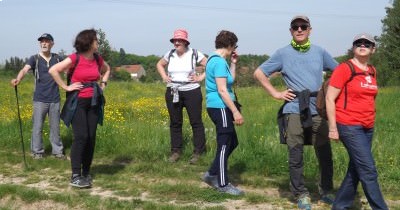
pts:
[46, 186]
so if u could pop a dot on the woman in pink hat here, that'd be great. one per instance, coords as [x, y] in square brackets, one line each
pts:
[178, 69]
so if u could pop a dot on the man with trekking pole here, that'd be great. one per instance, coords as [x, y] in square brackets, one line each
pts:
[46, 98]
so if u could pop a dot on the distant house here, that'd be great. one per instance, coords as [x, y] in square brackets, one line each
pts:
[136, 71]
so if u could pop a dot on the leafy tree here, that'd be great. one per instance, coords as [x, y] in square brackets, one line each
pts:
[14, 64]
[387, 58]
[62, 54]
[245, 69]
[122, 75]
[104, 46]
[122, 57]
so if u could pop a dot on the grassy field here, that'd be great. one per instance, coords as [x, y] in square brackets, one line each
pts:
[130, 166]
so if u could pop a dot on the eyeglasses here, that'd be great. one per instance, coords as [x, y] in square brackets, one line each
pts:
[366, 44]
[236, 46]
[296, 27]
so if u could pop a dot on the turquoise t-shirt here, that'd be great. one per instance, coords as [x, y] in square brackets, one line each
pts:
[217, 67]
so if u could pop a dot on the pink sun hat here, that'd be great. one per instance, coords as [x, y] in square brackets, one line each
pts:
[180, 34]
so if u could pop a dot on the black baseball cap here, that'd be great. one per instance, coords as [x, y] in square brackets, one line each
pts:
[46, 36]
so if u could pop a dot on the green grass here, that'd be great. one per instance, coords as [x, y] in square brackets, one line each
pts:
[130, 166]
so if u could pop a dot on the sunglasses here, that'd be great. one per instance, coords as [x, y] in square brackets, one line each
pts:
[296, 27]
[366, 44]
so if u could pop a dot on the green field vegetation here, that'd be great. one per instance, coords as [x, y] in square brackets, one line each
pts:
[131, 168]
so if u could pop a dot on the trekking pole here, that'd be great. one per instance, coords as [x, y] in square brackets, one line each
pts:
[20, 126]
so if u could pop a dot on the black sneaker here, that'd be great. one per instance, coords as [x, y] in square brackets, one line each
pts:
[79, 182]
[88, 179]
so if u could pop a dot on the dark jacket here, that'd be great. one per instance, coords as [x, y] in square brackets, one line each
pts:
[71, 103]
[305, 116]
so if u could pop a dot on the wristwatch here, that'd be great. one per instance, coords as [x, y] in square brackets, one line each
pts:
[104, 82]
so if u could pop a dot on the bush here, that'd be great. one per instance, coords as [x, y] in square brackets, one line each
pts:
[122, 76]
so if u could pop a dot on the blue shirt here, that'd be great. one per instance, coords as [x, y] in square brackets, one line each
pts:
[217, 67]
[46, 89]
[300, 71]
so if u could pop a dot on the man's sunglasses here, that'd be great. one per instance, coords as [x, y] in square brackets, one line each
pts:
[366, 44]
[296, 27]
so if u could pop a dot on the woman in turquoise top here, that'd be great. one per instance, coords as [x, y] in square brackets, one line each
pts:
[222, 110]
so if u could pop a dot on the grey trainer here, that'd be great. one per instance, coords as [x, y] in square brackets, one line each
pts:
[60, 156]
[195, 158]
[37, 156]
[230, 189]
[304, 202]
[174, 157]
[212, 181]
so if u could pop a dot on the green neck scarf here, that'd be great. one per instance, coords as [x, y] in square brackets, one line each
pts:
[301, 47]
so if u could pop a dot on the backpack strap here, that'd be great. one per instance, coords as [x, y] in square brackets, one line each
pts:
[36, 71]
[72, 70]
[373, 73]
[353, 74]
[171, 52]
[57, 57]
[195, 56]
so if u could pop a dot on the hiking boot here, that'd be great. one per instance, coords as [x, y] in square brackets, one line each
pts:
[230, 189]
[304, 202]
[212, 181]
[79, 182]
[60, 156]
[37, 156]
[88, 179]
[327, 198]
[194, 158]
[174, 157]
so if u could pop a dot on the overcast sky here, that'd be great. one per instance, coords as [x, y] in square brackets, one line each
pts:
[144, 27]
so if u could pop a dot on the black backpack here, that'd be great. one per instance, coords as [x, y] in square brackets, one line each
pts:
[321, 105]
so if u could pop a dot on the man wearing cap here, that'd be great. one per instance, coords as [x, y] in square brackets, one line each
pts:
[301, 65]
[46, 98]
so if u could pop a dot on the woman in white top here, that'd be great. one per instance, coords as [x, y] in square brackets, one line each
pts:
[183, 90]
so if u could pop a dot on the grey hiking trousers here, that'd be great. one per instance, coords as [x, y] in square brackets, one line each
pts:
[40, 110]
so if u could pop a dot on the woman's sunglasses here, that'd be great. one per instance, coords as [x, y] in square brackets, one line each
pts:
[366, 44]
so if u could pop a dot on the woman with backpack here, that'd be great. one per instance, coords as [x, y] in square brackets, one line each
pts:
[85, 69]
[183, 90]
[350, 105]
